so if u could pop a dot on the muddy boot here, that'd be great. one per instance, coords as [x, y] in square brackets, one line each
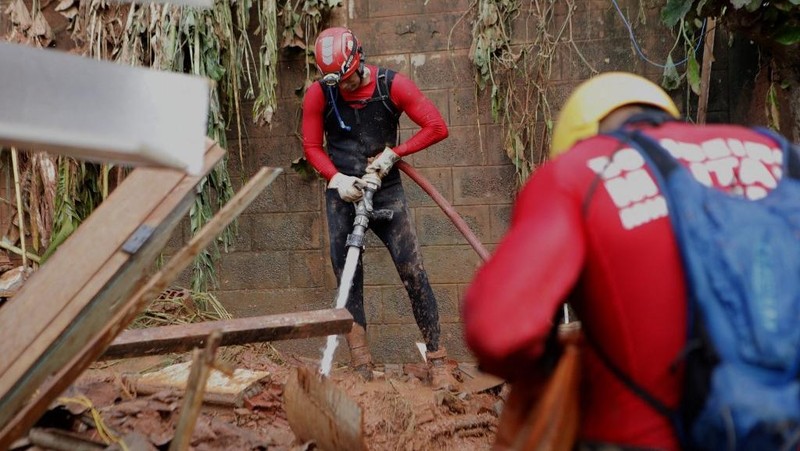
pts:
[360, 358]
[440, 373]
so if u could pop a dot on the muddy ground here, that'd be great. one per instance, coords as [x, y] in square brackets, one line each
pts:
[400, 411]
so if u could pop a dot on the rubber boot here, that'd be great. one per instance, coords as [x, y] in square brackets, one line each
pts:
[440, 375]
[360, 358]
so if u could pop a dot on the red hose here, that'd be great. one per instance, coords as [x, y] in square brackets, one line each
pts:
[448, 209]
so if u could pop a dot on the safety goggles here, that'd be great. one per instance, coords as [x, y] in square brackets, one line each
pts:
[332, 79]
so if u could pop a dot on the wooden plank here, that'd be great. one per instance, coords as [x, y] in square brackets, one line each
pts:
[222, 389]
[42, 330]
[101, 110]
[83, 310]
[46, 293]
[318, 410]
[167, 339]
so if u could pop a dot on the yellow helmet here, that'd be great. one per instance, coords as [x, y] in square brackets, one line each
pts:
[595, 98]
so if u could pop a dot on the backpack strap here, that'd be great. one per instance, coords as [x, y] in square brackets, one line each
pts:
[791, 154]
[665, 164]
[383, 82]
[622, 376]
[385, 79]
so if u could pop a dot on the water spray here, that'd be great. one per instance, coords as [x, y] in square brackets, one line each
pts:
[355, 245]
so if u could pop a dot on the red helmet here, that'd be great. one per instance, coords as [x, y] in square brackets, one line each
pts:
[337, 52]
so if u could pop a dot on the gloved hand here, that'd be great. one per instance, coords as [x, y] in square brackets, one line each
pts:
[383, 162]
[349, 187]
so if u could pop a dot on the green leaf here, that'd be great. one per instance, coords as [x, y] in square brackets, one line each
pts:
[671, 78]
[787, 35]
[693, 73]
[738, 4]
[303, 168]
[674, 11]
[753, 5]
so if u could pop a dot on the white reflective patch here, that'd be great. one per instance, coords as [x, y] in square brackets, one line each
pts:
[724, 168]
[631, 187]
[752, 171]
[758, 151]
[737, 147]
[692, 152]
[644, 212]
[672, 147]
[628, 159]
[755, 192]
[716, 148]
[598, 164]
[700, 172]
[327, 49]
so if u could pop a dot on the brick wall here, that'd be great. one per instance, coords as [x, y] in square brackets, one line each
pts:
[280, 262]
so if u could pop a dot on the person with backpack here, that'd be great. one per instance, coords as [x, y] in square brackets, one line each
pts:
[678, 247]
[355, 111]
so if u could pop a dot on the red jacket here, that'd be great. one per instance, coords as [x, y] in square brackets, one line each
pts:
[599, 234]
[406, 97]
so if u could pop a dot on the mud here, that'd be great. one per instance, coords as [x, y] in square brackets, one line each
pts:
[400, 411]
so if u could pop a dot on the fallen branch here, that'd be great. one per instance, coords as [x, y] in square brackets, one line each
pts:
[18, 251]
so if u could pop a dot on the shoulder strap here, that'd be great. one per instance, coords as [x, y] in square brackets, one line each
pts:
[665, 163]
[791, 154]
[385, 79]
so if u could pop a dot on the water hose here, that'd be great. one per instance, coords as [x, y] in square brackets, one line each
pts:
[448, 209]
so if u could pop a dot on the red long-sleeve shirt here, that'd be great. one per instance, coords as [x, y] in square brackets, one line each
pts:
[599, 234]
[406, 97]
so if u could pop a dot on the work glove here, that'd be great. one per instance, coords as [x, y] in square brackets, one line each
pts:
[383, 162]
[349, 187]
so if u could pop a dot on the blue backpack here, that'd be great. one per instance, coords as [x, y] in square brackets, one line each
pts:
[742, 262]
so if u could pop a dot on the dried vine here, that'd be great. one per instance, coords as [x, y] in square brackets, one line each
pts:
[773, 25]
[214, 43]
[519, 73]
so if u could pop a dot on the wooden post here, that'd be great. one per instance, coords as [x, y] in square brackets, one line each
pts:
[202, 363]
[705, 76]
[20, 210]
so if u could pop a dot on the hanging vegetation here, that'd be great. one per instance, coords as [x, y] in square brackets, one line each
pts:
[216, 43]
[518, 74]
[773, 25]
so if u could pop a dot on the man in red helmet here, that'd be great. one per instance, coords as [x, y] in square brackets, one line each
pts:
[355, 109]
[592, 227]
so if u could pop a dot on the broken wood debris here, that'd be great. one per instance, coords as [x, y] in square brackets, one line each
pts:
[181, 338]
[319, 411]
[221, 389]
[42, 355]
[202, 363]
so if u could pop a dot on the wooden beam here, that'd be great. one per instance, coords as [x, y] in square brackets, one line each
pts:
[284, 326]
[81, 286]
